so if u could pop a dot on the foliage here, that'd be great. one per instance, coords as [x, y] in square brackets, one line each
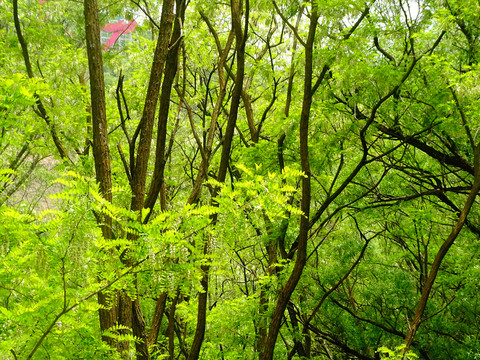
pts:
[387, 353]
[383, 98]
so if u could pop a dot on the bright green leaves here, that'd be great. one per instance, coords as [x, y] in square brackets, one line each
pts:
[46, 266]
[16, 96]
[269, 193]
[404, 199]
[397, 353]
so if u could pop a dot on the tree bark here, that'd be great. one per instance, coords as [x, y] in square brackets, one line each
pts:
[286, 292]
[157, 318]
[240, 36]
[171, 328]
[169, 77]
[145, 129]
[139, 164]
[101, 152]
[263, 306]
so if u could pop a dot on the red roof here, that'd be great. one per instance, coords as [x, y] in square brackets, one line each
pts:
[119, 28]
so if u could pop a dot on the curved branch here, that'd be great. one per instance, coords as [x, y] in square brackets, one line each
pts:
[41, 109]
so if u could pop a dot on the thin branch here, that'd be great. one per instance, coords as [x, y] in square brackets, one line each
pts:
[342, 279]
[383, 51]
[125, 164]
[41, 109]
[456, 189]
[357, 23]
[192, 124]
[147, 13]
[285, 20]
[119, 94]
[463, 116]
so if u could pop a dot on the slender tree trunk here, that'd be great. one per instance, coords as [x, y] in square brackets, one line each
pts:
[138, 165]
[263, 306]
[298, 344]
[285, 294]
[240, 35]
[202, 173]
[171, 63]
[171, 328]
[38, 102]
[145, 128]
[442, 252]
[157, 318]
[101, 152]
[272, 261]
[167, 84]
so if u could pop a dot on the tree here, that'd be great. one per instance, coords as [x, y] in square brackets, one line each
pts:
[221, 215]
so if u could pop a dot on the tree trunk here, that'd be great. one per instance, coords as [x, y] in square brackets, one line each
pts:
[442, 252]
[139, 164]
[145, 128]
[236, 8]
[101, 152]
[289, 287]
[157, 318]
[167, 84]
[171, 328]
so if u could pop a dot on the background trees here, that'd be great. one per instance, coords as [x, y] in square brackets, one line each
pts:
[177, 198]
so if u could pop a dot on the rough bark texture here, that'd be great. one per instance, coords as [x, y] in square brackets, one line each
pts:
[101, 151]
[167, 84]
[157, 318]
[145, 128]
[139, 330]
[139, 164]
